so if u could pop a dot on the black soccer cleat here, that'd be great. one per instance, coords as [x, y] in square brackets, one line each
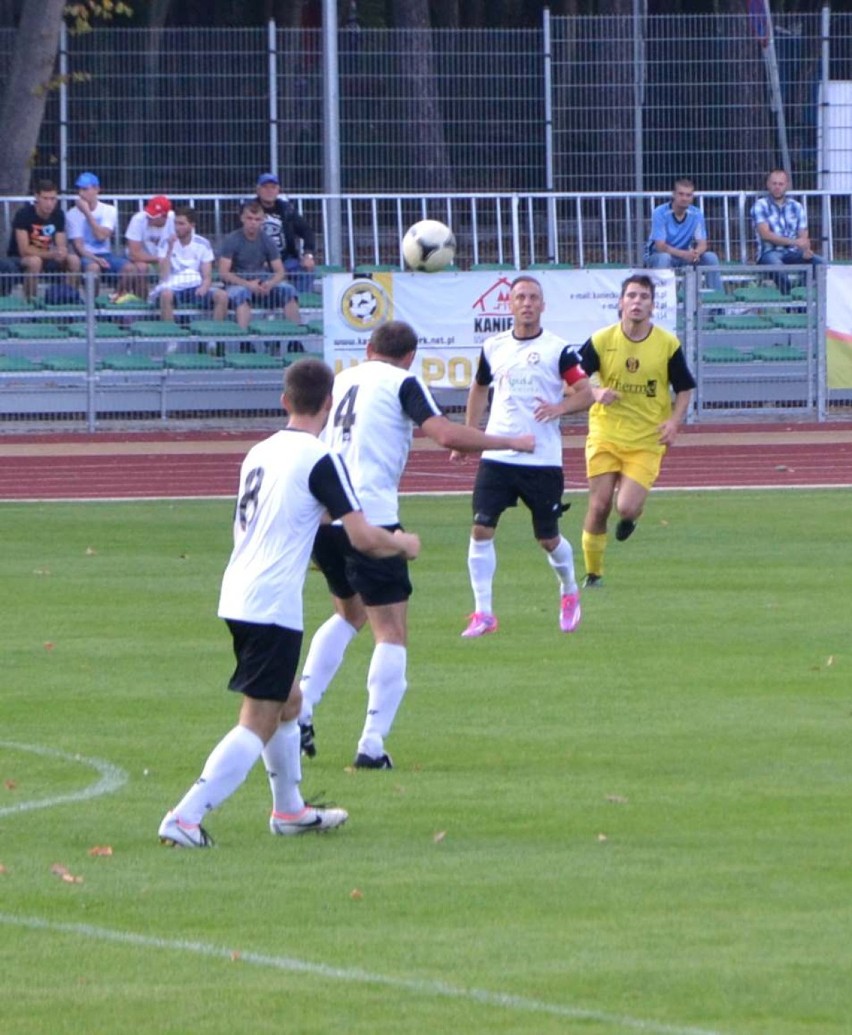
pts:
[368, 762]
[624, 529]
[306, 739]
[592, 581]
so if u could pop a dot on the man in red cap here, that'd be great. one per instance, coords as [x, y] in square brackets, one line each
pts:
[146, 229]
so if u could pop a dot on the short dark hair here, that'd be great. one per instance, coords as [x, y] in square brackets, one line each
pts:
[307, 385]
[526, 277]
[394, 339]
[45, 187]
[252, 205]
[683, 181]
[187, 211]
[642, 279]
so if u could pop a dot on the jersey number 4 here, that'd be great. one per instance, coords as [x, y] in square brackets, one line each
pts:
[344, 415]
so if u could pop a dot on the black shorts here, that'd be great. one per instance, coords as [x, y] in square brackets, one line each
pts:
[499, 486]
[267, 660]
[347, 572]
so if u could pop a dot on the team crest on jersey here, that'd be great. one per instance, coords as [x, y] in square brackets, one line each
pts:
[632, 364]
[533, 358]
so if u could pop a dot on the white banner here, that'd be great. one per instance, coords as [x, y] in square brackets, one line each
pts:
[838, 326]
[453, 313]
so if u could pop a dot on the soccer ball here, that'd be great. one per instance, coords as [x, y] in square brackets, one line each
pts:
[429, 246]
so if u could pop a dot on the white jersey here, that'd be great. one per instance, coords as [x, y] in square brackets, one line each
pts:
[374, 410]
[77, 227]
[525, 372]
[187, 258]
[140, 229]
[287, 482]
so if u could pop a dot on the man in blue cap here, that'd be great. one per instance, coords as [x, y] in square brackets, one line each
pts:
[292, 236]
[91, 224]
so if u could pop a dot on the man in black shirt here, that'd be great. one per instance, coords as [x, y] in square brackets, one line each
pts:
[292, 236]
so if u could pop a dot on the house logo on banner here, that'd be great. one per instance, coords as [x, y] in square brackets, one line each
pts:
[491, 312]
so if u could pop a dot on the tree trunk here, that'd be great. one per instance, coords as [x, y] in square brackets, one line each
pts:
[25, 93]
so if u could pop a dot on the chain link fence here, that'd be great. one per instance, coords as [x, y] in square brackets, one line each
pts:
[584, 104]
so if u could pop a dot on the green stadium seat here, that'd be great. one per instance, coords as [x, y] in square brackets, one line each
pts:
[781, 354]
[131, 362]
[314, 326]
[758, 294]
[747, 322]
[18, 365]
[278, 328]
[310, 300]
[799, 294]
[725, 354]
[216, 329]
[36, 330]
[71, 364]
[254, 361]
[192, 361]
[790, 321]
[8, 303]
[551, 266]
[495, 266]
[103, 329]
[158, 329]
[377, 267]
[321, 271]
[714, 297]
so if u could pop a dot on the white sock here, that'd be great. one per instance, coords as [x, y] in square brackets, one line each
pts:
[562, 562]
[325, 656]
[228, 765]
[282, 757]
[481, 564]
[386, 687]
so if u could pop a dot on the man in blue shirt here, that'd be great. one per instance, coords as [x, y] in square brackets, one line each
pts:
[679, 235]
[781, 226]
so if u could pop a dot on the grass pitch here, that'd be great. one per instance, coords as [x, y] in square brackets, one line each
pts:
[639, 827]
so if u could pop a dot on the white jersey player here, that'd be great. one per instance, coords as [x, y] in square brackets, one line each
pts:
[376, 406]
[536, 377]
[287, 484]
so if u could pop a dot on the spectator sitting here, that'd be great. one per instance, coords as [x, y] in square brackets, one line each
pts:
[39, 242]
[679, 235]
[250, 267]
[146, 229]
[186, 266]
[292, 236]
[781, 227]
[91, 224]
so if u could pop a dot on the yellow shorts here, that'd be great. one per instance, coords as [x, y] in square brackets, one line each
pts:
[639, 465]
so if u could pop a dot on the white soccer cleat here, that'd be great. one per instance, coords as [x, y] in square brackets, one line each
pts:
[176, 834]
[309, 820]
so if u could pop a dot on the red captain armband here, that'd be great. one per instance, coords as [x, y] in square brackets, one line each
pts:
[574, 374]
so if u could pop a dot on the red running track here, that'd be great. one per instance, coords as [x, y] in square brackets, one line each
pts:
[168, 468]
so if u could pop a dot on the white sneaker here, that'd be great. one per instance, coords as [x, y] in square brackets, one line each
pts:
[176, 834]
[309, 819]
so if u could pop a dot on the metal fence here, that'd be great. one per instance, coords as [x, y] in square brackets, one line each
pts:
[581, 105]
[514, 229]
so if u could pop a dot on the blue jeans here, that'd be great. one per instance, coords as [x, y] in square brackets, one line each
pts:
[664, 261]
[786, 257]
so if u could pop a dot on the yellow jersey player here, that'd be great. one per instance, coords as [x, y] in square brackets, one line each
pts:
[633, 420]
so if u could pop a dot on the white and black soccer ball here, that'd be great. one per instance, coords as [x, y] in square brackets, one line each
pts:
[429, 246]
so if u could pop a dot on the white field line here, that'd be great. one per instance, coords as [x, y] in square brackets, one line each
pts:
[111, 779]
[424, 492]
[434, 989]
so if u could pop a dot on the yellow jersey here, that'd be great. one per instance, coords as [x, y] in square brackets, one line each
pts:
[641, 372]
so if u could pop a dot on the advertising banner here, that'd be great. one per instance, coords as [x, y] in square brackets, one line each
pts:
[453, 313]
[838, 327]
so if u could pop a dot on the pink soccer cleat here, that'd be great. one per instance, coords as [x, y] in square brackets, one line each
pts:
[479, 624]
[569, 612]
